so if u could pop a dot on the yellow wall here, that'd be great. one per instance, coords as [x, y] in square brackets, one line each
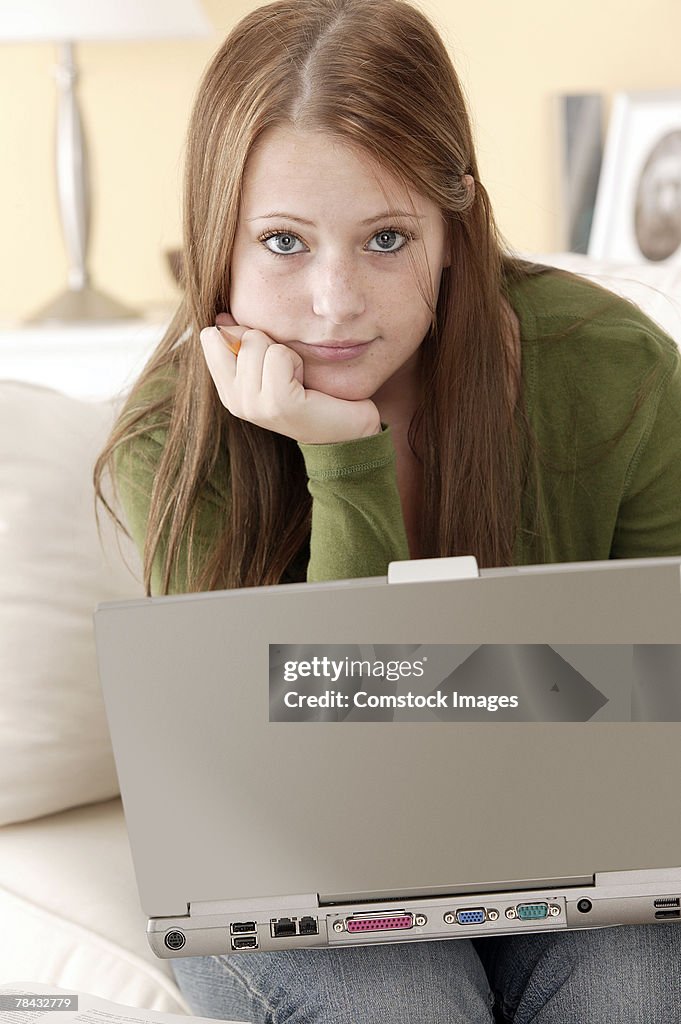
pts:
[514, 58]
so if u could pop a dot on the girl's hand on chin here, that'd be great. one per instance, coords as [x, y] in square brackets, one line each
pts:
[261, 381]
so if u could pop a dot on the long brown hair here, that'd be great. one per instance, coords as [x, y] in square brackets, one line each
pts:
[373, 74]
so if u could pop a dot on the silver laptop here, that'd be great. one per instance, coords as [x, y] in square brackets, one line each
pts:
[442, 753]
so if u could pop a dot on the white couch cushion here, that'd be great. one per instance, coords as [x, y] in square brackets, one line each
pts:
[70, 912]
[55, 750]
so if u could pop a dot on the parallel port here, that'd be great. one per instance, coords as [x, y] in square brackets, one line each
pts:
[379, 922]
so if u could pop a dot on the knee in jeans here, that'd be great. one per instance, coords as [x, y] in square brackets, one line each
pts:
[625, 974]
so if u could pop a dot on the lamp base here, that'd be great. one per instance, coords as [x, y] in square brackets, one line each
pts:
[82, 305]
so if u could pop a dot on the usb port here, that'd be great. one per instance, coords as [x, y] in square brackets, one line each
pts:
[246, 942]
[239, 927]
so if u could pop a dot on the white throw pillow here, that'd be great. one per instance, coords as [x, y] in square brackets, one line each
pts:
[55, 750]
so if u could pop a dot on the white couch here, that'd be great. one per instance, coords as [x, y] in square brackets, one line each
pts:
[69, 913]
[68, 903]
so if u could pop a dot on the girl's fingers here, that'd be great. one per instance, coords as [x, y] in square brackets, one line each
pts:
[236, 365]
[256, 378]
[253, 345]
[221, 364]
[282, 372]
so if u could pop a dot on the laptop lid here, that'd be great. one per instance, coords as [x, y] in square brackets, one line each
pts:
[231, 794]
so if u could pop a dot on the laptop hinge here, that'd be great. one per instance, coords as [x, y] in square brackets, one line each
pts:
[444, 892]
[425, 570]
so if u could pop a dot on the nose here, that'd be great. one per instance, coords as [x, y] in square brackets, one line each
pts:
[338, 288]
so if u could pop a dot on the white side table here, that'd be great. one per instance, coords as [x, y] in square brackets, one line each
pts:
[90, 362]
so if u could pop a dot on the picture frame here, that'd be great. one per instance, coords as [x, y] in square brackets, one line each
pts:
[637, 216]
[580, 125]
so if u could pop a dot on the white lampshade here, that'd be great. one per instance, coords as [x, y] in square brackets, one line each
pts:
[76, 20]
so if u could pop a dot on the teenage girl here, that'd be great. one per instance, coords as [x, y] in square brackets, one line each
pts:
[360, 371]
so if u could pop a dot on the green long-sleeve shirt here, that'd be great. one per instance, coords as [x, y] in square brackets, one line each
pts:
[595, 502]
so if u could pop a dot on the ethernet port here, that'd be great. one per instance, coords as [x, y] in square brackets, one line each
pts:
[282, 927]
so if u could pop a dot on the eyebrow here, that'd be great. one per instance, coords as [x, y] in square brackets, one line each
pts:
[386, 215]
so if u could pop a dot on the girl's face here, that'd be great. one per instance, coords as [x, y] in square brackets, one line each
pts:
[319, 259]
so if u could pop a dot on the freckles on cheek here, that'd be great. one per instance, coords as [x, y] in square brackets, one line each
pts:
[277, 291]
[270, 307]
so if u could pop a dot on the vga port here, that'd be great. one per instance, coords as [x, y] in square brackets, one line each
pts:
[474, 915]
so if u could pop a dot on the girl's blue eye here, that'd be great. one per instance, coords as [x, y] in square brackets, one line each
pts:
[386, 239]
[286, 241]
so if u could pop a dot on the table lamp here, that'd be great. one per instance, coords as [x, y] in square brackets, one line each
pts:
[66, 22]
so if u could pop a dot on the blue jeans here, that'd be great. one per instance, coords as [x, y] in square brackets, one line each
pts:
[626, 975]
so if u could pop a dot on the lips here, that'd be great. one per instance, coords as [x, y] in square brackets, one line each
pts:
[337, 351]
[352, 343]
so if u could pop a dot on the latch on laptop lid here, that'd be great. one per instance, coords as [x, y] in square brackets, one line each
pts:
[424, 570]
